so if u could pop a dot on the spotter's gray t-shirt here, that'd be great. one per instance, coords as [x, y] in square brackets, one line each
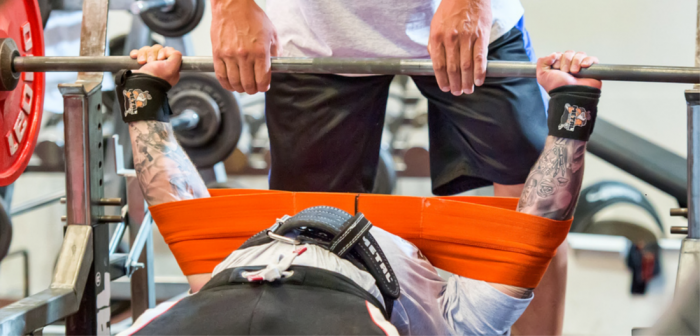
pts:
[429, 305]
[368, 28]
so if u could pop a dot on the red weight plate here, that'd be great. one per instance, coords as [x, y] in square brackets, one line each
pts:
[21, 109]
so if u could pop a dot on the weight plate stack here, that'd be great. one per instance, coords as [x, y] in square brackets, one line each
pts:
[184, 16]
[220, 123]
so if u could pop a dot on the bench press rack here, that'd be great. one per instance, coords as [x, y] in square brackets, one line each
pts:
[87, 262]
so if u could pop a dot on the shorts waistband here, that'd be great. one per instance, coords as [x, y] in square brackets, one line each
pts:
[302, 276]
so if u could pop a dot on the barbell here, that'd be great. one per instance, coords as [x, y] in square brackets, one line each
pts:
[17, 66]
[365, 66]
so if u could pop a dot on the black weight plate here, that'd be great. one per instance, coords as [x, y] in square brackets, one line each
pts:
[6, 193]
[230, 128]
[180, 20]
[117, 44]
[5, 231]
[45, 8]
[209, 117]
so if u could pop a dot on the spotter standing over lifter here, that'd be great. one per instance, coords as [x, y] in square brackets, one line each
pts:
[346, 113]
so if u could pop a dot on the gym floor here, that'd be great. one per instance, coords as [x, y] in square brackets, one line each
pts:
[598, 295]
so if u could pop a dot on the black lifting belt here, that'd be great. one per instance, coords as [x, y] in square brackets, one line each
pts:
[345, 235]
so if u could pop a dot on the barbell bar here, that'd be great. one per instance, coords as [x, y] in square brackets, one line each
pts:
[366, 66]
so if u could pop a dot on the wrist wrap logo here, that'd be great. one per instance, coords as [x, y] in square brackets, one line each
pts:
[134, 99]
[574, 116]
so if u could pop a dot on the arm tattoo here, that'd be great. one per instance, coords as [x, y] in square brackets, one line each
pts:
[552, 188]
[164, 171]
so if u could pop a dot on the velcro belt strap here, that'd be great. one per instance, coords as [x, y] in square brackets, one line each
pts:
[352, 232]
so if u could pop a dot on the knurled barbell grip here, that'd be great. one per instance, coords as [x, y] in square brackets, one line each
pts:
[206, 64]
[379, 66]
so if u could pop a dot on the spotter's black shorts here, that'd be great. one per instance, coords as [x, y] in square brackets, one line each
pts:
[311, 301]
[325, 130]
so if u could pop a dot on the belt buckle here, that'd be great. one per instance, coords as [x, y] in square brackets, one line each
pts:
[278, 223]
[283, 239]
[271, 232]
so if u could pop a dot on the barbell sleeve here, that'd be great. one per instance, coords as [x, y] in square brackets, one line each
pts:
[365, 66]
[138, 7]
[185, 121]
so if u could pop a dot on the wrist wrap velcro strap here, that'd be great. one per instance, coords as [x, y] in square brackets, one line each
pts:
[142, 97]
[572, 111]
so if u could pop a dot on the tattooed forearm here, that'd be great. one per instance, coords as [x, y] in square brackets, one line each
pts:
[164, 171]
[552, 188]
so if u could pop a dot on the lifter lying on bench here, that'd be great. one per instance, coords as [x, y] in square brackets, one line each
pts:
[326, 270]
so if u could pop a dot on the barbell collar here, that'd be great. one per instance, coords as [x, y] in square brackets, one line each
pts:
[366, 66]
[138, 7]
[8, 53]
[185, 121]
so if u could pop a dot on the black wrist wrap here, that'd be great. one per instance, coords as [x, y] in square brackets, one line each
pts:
[572, 111]
[142, 97]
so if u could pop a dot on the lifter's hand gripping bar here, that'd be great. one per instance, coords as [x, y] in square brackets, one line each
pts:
[367, 66]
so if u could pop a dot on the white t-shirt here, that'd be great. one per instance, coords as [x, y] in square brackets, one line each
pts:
[429, 305]
[368, 28]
